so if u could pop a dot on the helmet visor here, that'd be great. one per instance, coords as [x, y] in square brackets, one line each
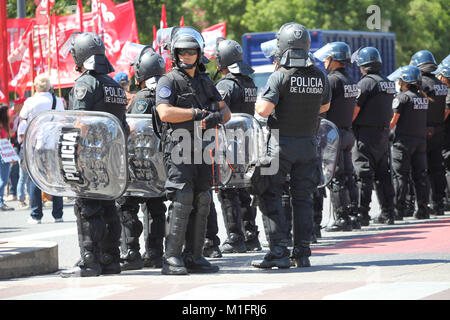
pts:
[188, 33]
[397, 74]
[269, 48]
[324, 52]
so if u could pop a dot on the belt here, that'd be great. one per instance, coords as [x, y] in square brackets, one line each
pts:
[371, 127]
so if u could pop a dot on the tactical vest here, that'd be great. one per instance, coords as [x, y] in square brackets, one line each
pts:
[343, 100]
[301, 93]
[143, 102]
[247, 96]
[438, 92]
[413, 120]
[377, 112]
[110, 96]
[186, 96]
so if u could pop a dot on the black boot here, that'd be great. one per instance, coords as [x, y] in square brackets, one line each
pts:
[211, 249]
[173, 263]
[300, 256]
[193, 257]
[277, 257]
[342, 222]
[353, 214]
[363, 216]
[399, 214]
[422, 212]
[132, 260]
[251, 241]
[110, 263]
[438, 208]
[87, 266]
[152, 259]
[234, 244]
[386, 217]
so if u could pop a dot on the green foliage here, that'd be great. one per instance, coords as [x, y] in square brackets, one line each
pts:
[418, 24]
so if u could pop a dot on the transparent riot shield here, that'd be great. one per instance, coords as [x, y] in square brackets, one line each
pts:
[245, 146]
[145, 158]
[328, 149]
[77, 154]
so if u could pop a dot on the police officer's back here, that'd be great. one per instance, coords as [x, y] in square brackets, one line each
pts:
[343, 96]
[409, 122]
[294, 96]
[437, 92]
[372, 116]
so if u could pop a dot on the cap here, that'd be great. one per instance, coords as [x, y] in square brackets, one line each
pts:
[121, 76]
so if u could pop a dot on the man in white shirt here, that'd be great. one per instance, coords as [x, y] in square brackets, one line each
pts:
[43, 100]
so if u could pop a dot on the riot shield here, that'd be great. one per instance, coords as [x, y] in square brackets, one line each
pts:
[145, 158]
[328, 150]
[77, 154]
[245, 146]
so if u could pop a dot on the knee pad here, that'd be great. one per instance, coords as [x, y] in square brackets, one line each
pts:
[203, 200]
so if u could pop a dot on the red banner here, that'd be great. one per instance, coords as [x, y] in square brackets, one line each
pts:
[118, 35]
[4, 97]
[211, 34]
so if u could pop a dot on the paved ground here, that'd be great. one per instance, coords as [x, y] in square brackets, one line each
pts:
[407, 261]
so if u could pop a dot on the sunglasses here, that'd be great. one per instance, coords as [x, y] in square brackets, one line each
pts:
[190, 52]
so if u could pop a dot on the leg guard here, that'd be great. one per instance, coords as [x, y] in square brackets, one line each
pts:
[181, 208]
[91, 230]
[193, 256]
[110, 244]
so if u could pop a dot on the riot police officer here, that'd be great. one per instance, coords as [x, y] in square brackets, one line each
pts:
[184, 97]
[370, 154]
[97, 220]
[443, 74]
[409, 122]
[343, 92]
[437, 93]
[239, 92]
[294, 96]
[149, 67]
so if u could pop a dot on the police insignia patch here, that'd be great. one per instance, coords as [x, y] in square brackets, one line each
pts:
[141, 106]
[164, 92]
[80, 92]
[395, 103]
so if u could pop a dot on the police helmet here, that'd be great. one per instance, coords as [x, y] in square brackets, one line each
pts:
[409, 74]
[368, 58]
[188, 38]
[294, 43]
[445, 64]
[88, 50]
[422, 57]
[338, 51]
[148, 64]
[229, 55]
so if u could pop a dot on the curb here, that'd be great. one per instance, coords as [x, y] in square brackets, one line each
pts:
[27, 258]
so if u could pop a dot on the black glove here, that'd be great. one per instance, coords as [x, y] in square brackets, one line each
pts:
[198, 114]
[213, 119]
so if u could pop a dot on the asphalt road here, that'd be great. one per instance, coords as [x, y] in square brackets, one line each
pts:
[406, 261]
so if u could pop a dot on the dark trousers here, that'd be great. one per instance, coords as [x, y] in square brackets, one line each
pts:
[342, 183]
[36, 203]
[409, 159]
[370, 156]
[297, 157]
[436, 168]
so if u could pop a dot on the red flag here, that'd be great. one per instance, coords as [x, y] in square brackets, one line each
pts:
[79, 13]
[26, 72]
[210, 35]
[43, 11]
[182, 21]
[4, 96]
[41, 55]
[163, 23]
[155, 41]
